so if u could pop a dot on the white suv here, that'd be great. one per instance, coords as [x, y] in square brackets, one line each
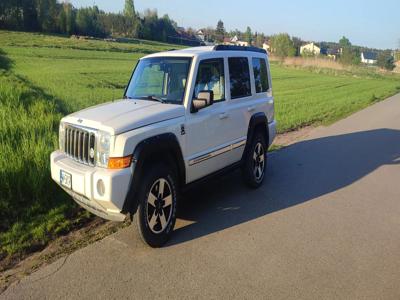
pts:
[186, 115]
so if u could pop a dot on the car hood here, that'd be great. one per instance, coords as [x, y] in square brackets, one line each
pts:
[125, 115]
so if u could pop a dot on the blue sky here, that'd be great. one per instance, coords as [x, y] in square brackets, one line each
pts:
[365, 23]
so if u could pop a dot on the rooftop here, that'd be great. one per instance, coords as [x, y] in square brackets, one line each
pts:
[370, 55]
[207, 49]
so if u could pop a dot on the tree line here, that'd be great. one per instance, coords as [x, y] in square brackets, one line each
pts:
[51, 16]
[283, 45]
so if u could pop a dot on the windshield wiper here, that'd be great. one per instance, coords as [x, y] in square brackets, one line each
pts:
[155, 98]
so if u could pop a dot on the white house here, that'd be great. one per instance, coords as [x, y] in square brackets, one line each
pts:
[266, 47]
[333, 53]
[228, 41]
[397, 64]
[200, 35]
[242, 43]
[234, 41]
[310, 48]
[369, 58]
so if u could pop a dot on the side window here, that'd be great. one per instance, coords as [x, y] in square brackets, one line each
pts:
[239, 75]
[210, 77]
[260, 75]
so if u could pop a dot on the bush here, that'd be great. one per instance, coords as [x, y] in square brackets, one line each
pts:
[282, 45]
[386, 60]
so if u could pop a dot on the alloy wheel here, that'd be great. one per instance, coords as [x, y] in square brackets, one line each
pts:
[159, 205]
[258, 162]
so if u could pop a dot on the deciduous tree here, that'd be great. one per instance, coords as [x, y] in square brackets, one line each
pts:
[349, 55]
[259, 38]
[344, 42]
[129, 9]
[282, 45]
[220, 31]
[248, 35]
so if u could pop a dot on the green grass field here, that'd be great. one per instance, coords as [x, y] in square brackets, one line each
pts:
[44, 77]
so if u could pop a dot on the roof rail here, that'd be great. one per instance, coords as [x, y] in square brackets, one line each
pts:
[238, 48]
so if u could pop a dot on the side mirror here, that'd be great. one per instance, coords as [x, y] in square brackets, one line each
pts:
[204, 99]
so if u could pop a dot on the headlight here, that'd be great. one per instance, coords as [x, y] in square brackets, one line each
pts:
[103, 149]
[61, 136]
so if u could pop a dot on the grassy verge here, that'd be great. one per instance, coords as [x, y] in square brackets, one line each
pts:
[32, 210]
[321, 96]
[44, 77]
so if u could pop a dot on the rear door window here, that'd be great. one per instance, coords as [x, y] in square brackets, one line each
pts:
[260, 75]
[239, 75]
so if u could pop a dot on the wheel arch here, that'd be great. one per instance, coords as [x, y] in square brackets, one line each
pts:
[258, 122]
[160, 148]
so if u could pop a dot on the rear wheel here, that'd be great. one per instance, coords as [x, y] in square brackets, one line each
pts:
[156, 214]
[255, 161]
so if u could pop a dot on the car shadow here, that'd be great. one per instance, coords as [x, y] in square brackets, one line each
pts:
[296, 174]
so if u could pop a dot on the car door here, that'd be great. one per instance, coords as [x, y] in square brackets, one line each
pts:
[208, 131]
[240, 100]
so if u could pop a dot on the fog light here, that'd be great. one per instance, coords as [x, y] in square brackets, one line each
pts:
[101, 189]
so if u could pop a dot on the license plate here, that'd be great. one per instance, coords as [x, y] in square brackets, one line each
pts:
[66, 179]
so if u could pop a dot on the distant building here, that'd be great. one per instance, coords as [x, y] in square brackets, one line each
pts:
[266, 47]
[234, 41]
[228, 41]
[368, 57]
[200, 35]
[310, 48]
[333, 53]
[242, 43]
[397, 68]
[185, 38]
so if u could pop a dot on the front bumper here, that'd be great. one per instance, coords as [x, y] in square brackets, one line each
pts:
[84, 191]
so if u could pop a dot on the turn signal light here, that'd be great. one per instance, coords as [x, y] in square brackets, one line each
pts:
[119, 162]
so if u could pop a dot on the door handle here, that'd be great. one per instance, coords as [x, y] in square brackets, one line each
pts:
[251, 108]
[223, 115]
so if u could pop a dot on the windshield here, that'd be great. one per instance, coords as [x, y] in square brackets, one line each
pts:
[160, 79]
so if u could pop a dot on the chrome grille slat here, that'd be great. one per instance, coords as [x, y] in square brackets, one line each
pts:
[84, 148]
[79, 146]
[70, 142]
[78, 143]
[75, 144]
[91, 145]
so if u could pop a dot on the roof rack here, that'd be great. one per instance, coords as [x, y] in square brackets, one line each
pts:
[238, 48]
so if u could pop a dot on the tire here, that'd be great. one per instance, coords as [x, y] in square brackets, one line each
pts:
[255, 161]
[156, 213]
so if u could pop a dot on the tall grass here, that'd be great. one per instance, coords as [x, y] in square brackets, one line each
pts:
[43, 78]
[28, 132]
[314, 62]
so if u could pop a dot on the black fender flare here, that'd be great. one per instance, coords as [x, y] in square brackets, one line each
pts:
[165, 145]
[256, 120]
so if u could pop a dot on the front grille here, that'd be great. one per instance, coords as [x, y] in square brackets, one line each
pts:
[80, 144]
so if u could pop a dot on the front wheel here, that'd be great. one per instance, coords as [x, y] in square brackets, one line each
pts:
[156, 214]
[255, 162]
